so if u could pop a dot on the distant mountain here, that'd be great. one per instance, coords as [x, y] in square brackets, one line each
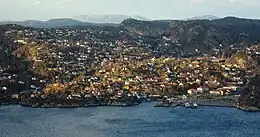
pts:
[53, 23]
[105, 18]
[82, 20]
[205, 17]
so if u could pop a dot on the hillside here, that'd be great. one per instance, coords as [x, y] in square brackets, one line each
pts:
[200, 34]
[145, 28]
[12, 70]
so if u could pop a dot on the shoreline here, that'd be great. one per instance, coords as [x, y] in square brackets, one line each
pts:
[75, 105]
[218, 106]
[71, 106]
[218, 102]
[188, 102]
[159, 105]
[199, 105]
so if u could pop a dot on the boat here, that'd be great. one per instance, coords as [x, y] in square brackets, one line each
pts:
[195, 105]
[187, 105]
[191, 105]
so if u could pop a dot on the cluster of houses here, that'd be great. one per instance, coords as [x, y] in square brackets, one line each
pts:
[176, 76]
[110, 61]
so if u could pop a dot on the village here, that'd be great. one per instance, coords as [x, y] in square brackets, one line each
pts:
[70, 67]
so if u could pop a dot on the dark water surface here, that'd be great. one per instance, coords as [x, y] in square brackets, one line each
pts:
[138, 121]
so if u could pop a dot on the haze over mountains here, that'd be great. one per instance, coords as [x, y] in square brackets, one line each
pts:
[80, 20]
[204, 17]
[86, 20]
[106, 18]
[53, 23]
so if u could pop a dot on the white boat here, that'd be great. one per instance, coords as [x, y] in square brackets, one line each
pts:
[189, 105]
[195, 105]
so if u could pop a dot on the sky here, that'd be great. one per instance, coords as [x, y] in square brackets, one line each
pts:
[152, 9]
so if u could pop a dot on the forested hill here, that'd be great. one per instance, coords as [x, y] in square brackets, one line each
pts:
[200, 34]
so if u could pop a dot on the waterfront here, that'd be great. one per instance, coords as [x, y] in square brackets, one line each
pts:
[143, 120]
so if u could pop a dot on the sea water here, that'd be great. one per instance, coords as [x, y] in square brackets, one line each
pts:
[137, 121]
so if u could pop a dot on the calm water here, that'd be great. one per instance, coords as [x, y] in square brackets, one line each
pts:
[138, 121]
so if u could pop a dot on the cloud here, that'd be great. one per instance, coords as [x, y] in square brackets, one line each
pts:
[196, 1]
[36, 2]
[148, 1]
[251, 3]
[63, 3]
